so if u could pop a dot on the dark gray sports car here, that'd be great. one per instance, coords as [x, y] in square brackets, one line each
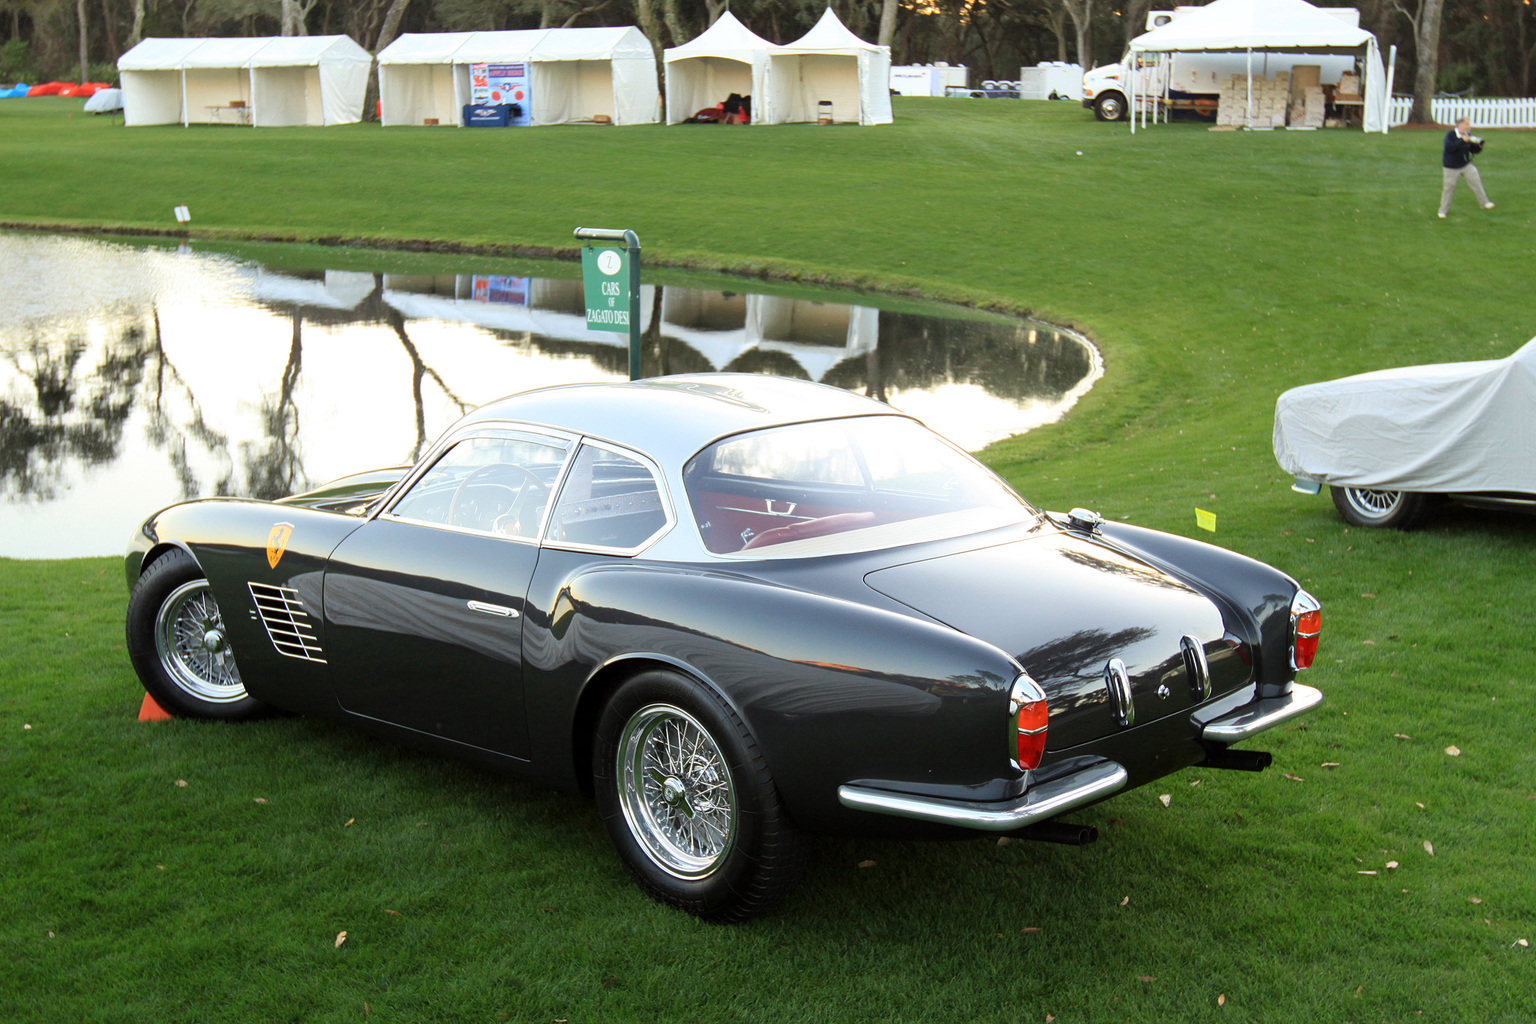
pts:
[739, 609]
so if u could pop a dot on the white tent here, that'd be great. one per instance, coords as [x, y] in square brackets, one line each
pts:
[301, 80]
[573, 74]
[1272, 26]
[275, 80]
[828, 65]
[726, 58]
[417, 83]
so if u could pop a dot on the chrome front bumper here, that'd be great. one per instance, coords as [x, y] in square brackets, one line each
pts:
[1261, 714]
[1043, 801]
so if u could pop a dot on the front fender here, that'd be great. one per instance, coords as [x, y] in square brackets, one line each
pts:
[282, 550]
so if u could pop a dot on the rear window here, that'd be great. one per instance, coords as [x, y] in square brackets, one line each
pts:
[841, 485]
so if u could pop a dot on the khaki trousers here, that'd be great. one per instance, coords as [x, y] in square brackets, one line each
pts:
[1455, 174]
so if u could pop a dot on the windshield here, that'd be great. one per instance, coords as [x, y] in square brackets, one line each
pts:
[842, 485]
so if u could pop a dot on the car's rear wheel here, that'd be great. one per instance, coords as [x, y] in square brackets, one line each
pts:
[179, 646]
[689, 802]
[1366, 507]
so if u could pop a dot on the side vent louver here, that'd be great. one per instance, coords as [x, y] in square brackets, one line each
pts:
[288, 624]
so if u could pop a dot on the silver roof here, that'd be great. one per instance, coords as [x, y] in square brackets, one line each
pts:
[671, 418]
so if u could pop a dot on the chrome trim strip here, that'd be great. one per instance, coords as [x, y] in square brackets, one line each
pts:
[1197, 666]
[492, 609]
[1258, 715]
[1042, 802]
[1305, 486]
[1118, 682]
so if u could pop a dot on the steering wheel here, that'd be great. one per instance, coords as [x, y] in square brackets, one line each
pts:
[477, 479]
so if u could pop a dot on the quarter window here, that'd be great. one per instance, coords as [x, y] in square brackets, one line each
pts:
[609, 500]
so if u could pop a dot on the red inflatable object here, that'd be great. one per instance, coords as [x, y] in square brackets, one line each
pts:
[48, 89]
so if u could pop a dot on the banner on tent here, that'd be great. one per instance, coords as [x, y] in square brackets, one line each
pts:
[502, 83]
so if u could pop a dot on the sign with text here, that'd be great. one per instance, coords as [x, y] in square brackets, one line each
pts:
[605, 280]
[502, 84]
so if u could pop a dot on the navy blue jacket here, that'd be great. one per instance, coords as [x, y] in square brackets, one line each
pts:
[1458, 151]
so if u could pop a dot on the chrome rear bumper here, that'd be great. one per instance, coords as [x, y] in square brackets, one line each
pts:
[1043, 801]
[1258, 715]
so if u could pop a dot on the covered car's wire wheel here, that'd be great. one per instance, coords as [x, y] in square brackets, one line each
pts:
[1365, 507]
[179, 645]
[689, 803]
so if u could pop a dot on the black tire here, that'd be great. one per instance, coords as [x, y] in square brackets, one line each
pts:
[1109, 107]
[706, 831]
[178, 646]
[1361, 506]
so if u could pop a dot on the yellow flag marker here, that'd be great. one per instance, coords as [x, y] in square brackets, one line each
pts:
[1205, 520]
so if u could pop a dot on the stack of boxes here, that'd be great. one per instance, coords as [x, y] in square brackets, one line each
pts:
[1276, 102]
[1269, 102]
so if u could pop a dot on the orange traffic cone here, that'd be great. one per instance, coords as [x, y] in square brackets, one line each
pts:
[149, 711]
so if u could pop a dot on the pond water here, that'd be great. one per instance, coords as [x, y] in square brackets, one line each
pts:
[135, 375]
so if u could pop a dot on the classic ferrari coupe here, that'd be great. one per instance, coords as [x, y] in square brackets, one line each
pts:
[739, 610]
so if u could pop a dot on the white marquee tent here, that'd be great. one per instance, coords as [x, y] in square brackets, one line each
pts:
[1272, 26]
[573, 74]
[726, 58]
[829, 64]
[275, 80]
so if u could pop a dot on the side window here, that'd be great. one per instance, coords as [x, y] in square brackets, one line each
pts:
[609, 500]
[495, 485]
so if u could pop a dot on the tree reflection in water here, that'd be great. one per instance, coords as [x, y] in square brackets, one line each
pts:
[269, 382]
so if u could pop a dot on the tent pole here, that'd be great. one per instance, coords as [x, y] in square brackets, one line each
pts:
[1386, 122]
[183, 97]
[1130, 81]
[1249, 120]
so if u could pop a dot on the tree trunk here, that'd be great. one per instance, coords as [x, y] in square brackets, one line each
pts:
[1426, 44]
[674, 22]
[1426, 72]
[1081, 13]
[85, 66]
[387, 33]
[107, 21]
[887, 23]
[290, 17]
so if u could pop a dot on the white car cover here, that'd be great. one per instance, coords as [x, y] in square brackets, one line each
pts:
[1450, 428]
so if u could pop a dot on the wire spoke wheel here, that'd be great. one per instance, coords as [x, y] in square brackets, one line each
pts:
[676, 792]
[192, 645]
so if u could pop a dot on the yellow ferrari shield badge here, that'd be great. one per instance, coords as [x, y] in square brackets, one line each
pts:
[277, 542]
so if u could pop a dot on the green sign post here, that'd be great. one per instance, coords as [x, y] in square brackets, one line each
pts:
[611, 280]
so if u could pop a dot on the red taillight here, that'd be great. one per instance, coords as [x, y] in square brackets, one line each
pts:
[1306, 624]
[1031, 724]
[1026, 704]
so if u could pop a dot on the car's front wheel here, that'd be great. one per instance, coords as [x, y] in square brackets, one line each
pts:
[1109, 107]
[1365, 507]
[689, 802]
[178, 644]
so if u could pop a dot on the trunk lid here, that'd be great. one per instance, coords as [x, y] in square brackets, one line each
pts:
[1065, 607]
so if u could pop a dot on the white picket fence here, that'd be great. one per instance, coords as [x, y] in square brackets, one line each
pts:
[1489, 113]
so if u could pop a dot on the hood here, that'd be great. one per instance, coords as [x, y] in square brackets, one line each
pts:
[1064, 607]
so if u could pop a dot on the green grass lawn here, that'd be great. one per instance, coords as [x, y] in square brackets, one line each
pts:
[1214, 270]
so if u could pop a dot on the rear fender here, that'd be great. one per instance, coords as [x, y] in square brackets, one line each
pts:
[833, 691]
[1254, 597]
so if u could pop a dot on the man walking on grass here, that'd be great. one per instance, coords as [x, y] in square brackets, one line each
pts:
[1460, 145]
